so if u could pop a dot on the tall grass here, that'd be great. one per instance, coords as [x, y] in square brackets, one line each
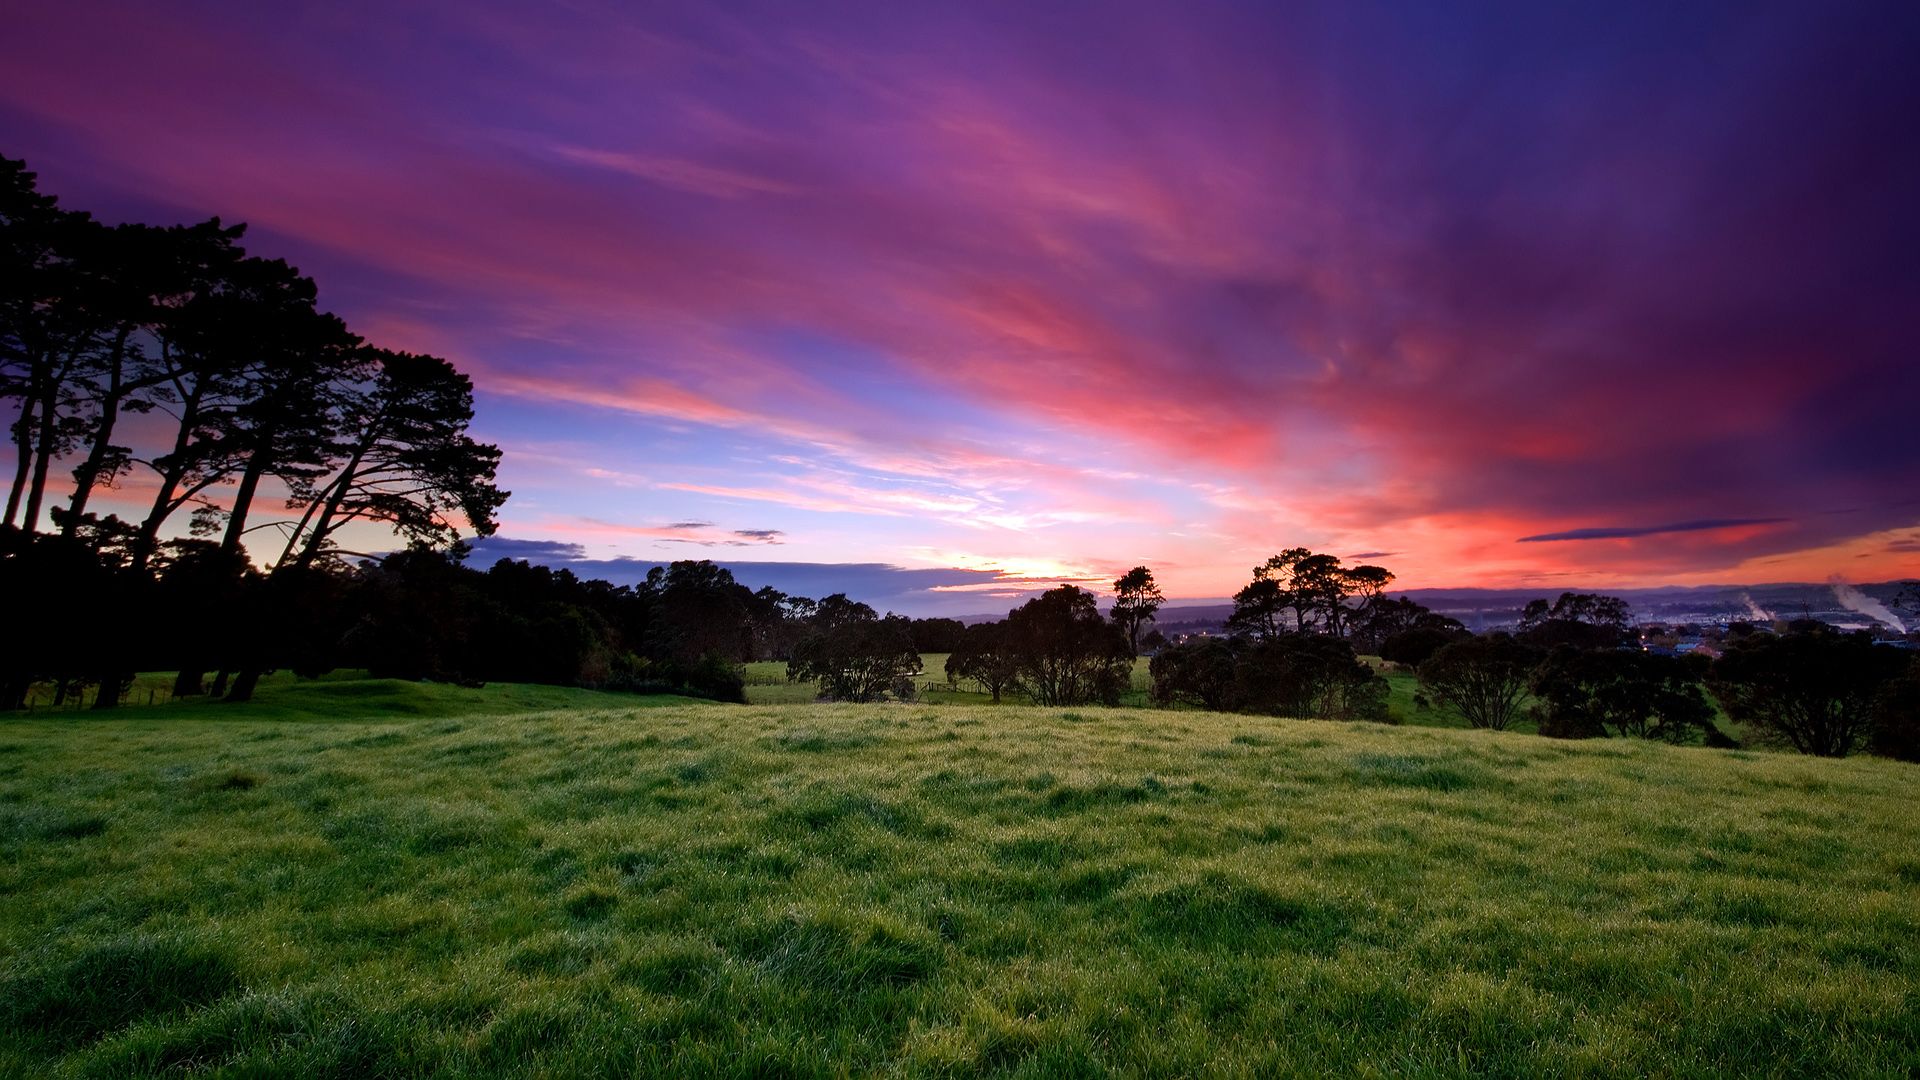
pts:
[927, 891]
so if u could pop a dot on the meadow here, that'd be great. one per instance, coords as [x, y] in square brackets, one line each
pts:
[362, 878]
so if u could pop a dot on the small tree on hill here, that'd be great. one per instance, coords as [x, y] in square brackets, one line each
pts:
[1484, 678]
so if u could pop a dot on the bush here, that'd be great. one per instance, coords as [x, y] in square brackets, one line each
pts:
[1896, 716]
[1414, 647]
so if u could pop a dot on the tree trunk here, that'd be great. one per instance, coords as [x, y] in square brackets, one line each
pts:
[43, 457]
[190, 682]
[23, 458]
[243, 502]
[88, 474]
[109, 695]
[243, 685]
[170, 478]
[219, 684]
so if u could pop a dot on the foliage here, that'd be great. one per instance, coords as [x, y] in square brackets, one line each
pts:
[1579, 620]
[1066, 654]
[983, 655]
[1198, 672]
[858, 659]
[1896, 716]
[1297, 675]
[1136, 597]
[1813, 691]
[1484, 678]
[1584, 693]
[1412, 647]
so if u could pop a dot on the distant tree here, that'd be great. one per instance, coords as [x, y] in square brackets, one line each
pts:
[983, 656]
[1135, 599]
[1199, 671]
[1412, 647]
[1259, 607]
[1583, 620]
[1067, 654]
[1896, 716]
[857, 659]
[700, 613]
[1587, 693]
[937, 635]
[1153, 640]
[1485, 679]
[1308, 676]
[1381, 618]
[1814, 691]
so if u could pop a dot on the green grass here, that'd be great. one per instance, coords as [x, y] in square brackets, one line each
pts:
[924, 890]
[931, 685]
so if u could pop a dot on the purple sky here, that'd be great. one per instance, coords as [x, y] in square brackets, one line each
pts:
[1006, 294]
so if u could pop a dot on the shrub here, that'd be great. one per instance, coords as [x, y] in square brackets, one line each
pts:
[1484, 678]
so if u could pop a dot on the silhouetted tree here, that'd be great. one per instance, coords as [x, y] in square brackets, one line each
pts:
[1067, 653]
[1308, 676]
[982, 654]
[1582, 620]
[937, 635]
[1199, 671]
[1135, 599]
[1413, 647]
[1484, 678]
[1896, 716]
[405, 460]
[858, 658]
[1813, 691]
[1585, 693]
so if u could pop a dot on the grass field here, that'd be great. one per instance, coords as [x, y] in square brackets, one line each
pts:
[433, 882]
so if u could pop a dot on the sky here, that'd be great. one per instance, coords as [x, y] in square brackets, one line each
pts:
[944, 303]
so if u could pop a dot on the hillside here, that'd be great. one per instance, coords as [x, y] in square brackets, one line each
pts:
[934, 890]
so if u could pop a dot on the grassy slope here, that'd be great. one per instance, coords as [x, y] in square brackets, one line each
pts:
[938, 891]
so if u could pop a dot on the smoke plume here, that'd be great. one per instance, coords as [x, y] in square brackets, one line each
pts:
[1854, 600]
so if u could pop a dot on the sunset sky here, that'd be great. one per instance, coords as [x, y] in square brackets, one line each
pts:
[1001, 294]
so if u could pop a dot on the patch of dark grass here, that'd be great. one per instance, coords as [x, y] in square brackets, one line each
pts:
[1222, 912]
[591, 902]
[682, 969]
[839, 955]
[1073, 799]
[1410, 770]
[820, 811]
[112, 984]
[260, 1035]
[232, 780]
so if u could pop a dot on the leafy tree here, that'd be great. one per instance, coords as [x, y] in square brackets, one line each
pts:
[937, 635]
[1382, 618]
[1582, 620]
[1135, 599]
[1414, 646]
[1896, 716]
[1067, 654]
[858, 659]
[406, 461]
[1813, 691]
[983, 656]
[1199, 671]
[1309, 676]
[1484, 678]
[1585, 693]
